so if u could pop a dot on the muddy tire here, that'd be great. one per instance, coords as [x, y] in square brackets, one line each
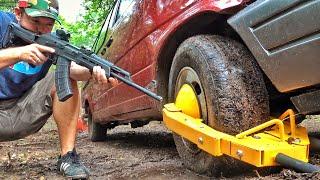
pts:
[231, 93]
[97, 132]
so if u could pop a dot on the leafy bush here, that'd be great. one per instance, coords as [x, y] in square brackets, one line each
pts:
[7, 5]
[85, 31]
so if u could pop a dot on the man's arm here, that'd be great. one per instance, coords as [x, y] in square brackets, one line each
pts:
[8, 57]
[80, 73]
[33, 54]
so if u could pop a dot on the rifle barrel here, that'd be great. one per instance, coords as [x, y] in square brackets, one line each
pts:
[130, 83]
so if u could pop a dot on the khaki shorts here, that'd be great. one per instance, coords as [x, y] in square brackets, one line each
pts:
[26, 115]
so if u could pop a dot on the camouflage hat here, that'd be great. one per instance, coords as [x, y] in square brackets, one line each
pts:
[40, 8]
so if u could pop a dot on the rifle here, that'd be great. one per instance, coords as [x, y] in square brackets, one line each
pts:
[64, 54]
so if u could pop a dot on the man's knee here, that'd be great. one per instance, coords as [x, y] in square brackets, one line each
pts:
[21, 129]
[5, 127]
[74, 87]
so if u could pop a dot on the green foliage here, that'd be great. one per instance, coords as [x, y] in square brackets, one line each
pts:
[7, 5]
[84, 31]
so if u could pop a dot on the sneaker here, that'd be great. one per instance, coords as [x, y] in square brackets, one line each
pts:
[70, 166]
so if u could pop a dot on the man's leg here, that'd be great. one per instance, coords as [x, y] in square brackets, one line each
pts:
[27, 114]
[66, 115]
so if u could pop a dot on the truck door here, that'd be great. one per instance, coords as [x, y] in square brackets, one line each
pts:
[115, 44]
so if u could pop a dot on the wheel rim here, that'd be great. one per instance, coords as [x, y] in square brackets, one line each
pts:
[188, 76]
[187, 101]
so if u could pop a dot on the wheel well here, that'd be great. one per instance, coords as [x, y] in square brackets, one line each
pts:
[206, 23]
[86, 107]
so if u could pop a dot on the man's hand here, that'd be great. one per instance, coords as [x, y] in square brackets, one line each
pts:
[99, 76]
[35, 54]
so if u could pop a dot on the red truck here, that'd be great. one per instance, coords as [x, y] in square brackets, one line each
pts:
[246, 60]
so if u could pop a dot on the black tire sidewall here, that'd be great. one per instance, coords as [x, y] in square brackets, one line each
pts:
[187, 56]
[233, 86]
[96, 131]
[209, 57]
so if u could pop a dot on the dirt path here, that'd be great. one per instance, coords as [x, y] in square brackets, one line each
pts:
[141, 153]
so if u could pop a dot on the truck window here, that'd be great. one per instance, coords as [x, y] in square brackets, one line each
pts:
[124, 9]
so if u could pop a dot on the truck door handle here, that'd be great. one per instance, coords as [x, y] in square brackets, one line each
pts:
[109, 42]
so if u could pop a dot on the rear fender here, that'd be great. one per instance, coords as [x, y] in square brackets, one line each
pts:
[281, 35]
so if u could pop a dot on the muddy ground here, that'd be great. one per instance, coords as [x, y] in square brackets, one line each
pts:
[142, 153]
